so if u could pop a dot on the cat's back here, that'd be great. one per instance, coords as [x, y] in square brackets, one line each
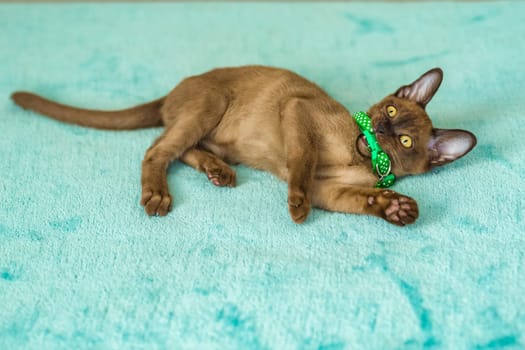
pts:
[250, 73]
[252, 83]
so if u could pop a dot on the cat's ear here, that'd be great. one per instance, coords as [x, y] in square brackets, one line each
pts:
[423, 89]
[446, 146]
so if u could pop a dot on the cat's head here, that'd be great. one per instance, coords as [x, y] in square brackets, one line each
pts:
[405, 132]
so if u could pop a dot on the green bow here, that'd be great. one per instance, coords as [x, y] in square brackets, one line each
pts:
[381, 164]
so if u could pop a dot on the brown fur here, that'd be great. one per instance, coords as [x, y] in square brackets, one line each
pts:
[274, 120]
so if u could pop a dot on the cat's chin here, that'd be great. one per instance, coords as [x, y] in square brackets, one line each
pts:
[362, 146]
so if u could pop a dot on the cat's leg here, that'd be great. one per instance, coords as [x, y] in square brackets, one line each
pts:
[191, 117]
[218, 172]
[393, 207]
[301, 157]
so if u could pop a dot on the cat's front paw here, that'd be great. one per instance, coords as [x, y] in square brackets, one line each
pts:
[156, 202]
[299, 206]
[395, 208]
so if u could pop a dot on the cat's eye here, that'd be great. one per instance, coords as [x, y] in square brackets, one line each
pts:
[392, 111]
[406, 141]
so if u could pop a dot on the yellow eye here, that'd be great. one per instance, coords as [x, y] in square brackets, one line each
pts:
[406, 141]
[392, 111]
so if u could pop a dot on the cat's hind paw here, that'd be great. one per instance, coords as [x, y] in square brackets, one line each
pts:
[156, 202]
[222, 176]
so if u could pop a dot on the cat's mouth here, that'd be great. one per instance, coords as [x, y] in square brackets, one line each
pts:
[362, 146]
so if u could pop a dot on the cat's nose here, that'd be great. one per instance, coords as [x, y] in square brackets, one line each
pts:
[380, 128]
[383, 127]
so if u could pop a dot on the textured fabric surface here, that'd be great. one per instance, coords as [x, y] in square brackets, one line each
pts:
[82, 266]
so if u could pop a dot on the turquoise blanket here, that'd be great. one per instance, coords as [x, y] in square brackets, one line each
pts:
[82, 266]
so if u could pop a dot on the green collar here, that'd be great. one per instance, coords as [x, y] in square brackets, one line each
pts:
[381, 164]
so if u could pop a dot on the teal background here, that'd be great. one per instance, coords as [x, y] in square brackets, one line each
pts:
[82, 266]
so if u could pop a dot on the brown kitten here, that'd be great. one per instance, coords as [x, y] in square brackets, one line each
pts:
[274, 120]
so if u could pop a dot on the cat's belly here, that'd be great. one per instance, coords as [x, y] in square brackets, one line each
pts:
[259, 156]
[257, 139]
[258, 146]
[270, 156]
[357, 175]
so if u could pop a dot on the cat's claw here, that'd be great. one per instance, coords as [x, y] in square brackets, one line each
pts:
[397, 209]
[156, 202]
[224, 176]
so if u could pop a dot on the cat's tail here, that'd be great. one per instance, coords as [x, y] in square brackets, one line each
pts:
[142, 116]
